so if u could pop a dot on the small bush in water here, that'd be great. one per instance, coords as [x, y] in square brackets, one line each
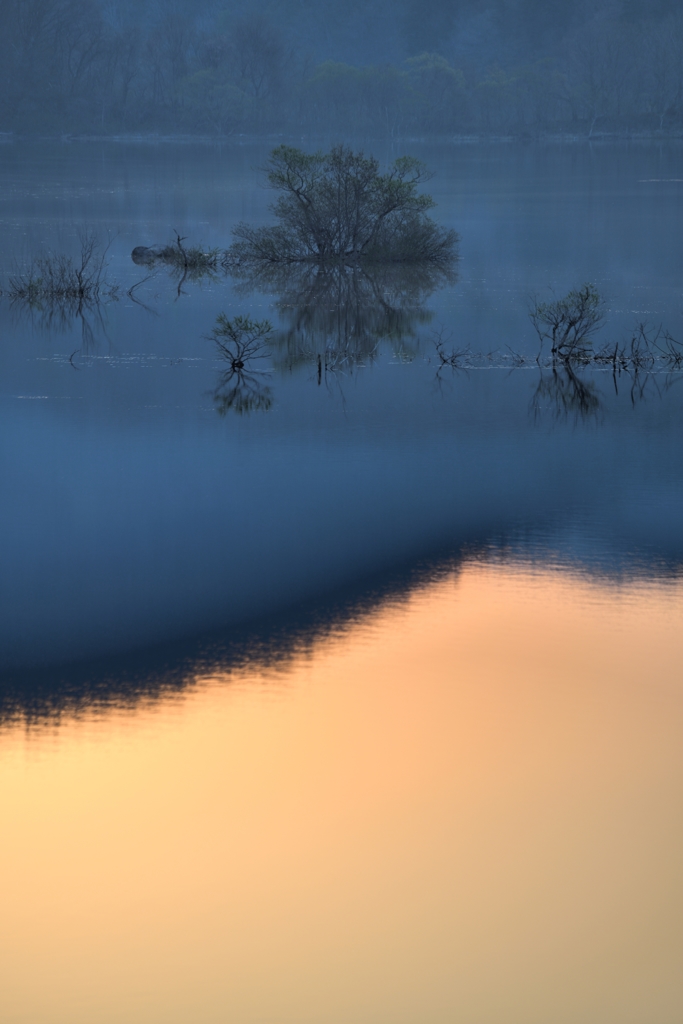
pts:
[569, 323]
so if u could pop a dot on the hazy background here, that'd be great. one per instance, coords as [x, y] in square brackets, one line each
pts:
[391, 68]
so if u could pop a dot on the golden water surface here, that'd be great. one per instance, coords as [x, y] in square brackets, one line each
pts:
[467, 807]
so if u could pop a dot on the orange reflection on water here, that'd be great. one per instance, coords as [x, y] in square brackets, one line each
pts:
[467, 808]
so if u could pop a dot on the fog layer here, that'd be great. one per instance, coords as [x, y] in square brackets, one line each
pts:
[382, 67]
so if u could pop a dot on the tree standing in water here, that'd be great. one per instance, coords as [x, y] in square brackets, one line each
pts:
[337, 206]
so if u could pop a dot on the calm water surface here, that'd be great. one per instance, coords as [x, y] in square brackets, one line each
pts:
[363, 702]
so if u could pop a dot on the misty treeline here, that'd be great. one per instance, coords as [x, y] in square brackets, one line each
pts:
[377, 67]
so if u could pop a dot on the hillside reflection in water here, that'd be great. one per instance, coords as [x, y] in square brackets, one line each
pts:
[402, 820]
[401, 741]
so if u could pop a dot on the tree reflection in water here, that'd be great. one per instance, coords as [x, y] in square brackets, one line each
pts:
[335, 317]
[242, 392]
[566, 394]
[562, 389]
[242, 343]
[54, 316]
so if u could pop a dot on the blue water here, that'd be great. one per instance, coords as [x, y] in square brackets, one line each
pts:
[134, 517]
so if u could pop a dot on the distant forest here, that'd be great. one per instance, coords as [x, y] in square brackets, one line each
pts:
[393, 68]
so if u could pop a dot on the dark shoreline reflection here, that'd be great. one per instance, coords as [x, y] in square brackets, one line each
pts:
[44, 695]
[39, 698]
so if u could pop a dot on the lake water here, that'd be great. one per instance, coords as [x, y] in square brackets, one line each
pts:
[351, 688]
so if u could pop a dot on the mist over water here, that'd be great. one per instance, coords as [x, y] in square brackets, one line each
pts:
[344, 683]
[385, 68]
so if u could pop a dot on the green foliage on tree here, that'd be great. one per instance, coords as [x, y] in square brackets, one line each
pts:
[338, 206]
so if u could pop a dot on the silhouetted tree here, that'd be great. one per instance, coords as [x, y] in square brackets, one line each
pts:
[337, 205]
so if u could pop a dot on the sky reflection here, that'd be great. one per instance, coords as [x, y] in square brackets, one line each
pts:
[463, 806]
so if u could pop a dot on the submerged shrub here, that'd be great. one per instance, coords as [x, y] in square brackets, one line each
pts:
[569, 323]
[337, 206]
[241, 338]
[195, 260]
[59, 279]
[242, 386]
